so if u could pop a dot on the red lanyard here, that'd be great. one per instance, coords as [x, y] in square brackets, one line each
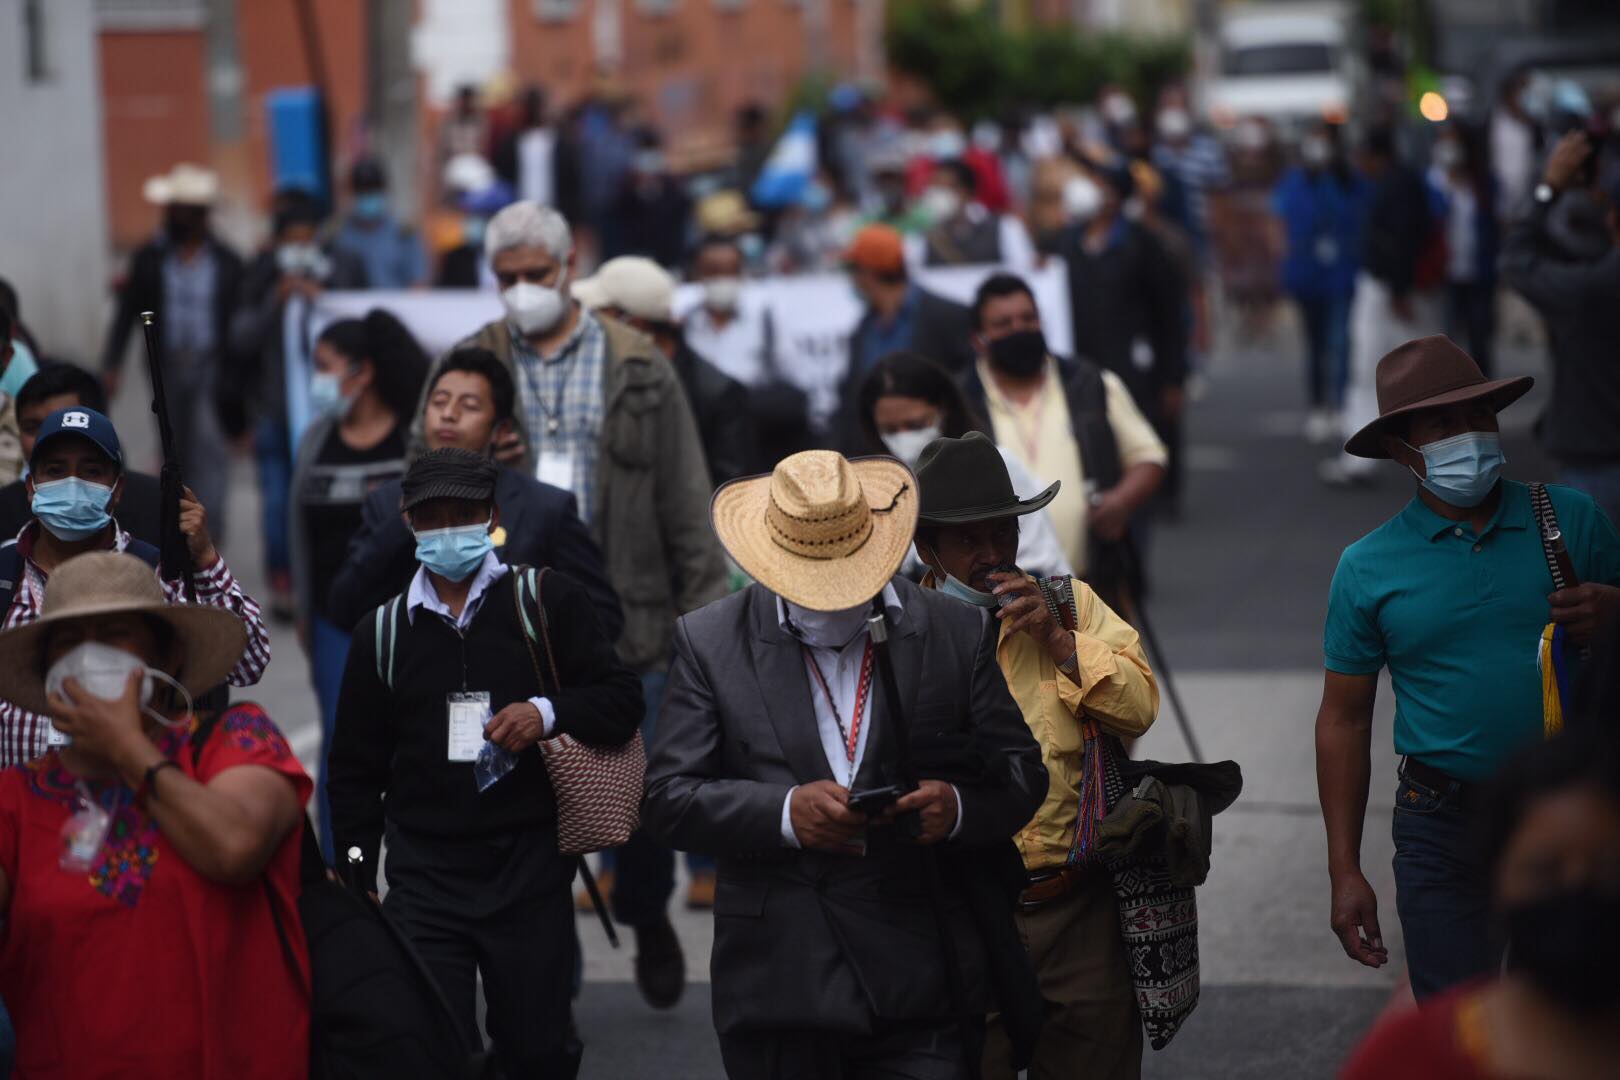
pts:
[851, 734]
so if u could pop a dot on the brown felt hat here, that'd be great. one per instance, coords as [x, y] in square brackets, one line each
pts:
[821, 531]
[1426, 373]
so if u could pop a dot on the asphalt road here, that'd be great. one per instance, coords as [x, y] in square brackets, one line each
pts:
[1240, 586]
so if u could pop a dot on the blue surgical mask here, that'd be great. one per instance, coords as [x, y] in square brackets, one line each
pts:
[326, 394]
[1463, 469]
[953, 586]
[456, 552]
[72, 509]
[371, 206]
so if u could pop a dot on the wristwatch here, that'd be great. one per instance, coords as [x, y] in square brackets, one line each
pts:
[1072, 664]
[1544, 193]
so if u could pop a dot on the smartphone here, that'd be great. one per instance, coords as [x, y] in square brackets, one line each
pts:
[873, 801]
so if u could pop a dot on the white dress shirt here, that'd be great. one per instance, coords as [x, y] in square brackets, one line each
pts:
[423, 595]
[841, 667]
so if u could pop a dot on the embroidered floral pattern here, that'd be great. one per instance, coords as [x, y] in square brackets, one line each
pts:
[250, 730]
[130, 851]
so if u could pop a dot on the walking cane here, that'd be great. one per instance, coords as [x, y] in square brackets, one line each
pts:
[1137, 617]
[878, 626]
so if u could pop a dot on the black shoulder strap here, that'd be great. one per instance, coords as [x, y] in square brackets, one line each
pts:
[1551, 535]
[385, 628]
[11, 568]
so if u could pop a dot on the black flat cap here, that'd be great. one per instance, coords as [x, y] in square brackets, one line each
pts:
[450, 473]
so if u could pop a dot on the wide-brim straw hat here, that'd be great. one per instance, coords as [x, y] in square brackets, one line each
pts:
[1427, 373]
[822, 531]
[101, 583]
[185, 185]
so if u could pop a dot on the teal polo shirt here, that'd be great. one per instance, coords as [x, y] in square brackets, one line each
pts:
[1457, 619]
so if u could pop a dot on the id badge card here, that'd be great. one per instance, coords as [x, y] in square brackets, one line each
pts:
[556, 469]
[83, 834]
[469, 712]
[54, 737]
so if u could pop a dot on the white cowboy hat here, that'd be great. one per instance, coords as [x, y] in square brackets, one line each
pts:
[821, 531]
[210, 639]
[185, 184]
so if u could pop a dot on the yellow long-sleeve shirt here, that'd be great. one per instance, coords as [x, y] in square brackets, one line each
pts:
[1115, 687]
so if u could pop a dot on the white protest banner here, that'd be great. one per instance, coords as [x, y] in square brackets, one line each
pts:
[811, 316]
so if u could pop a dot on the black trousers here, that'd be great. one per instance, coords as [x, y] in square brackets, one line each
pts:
[914, 1050]
[499, 906]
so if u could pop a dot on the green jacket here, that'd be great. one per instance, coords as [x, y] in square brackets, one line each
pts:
[650, 509]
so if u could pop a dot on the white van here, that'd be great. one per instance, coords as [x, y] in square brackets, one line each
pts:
[1288, 63]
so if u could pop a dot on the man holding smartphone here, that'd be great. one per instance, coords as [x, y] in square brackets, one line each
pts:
[846, 936]
[967, 534]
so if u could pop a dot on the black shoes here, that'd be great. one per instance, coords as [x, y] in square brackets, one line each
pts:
[660, 964]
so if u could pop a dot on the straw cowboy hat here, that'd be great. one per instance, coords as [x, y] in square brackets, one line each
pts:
[965, 481]
[101, 583]
[1426, 373]
[821, 531]
[185, 185]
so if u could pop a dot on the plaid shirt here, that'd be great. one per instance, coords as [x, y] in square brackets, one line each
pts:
[23, 734]
[565, 388]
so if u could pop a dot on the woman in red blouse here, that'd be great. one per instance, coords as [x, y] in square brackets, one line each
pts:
[140, 863]
[1553, 834]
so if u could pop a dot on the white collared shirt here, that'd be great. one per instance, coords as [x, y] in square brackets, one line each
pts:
[422, 594]
[841, 667]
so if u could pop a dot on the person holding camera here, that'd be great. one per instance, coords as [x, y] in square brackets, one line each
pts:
[837, 820]
[1068, 682]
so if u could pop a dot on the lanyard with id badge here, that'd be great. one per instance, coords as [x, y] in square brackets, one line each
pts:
[469, 715]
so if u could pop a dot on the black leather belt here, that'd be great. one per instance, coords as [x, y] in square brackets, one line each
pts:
[1461, 793]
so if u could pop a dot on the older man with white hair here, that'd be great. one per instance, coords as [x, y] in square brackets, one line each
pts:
[603, 416]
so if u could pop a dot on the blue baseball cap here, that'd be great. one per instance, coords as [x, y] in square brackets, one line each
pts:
[86, 424]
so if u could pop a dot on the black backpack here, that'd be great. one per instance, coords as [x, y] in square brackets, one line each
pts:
[375, 1009]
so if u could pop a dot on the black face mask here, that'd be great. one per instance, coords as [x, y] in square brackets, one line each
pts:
[1569, 945]
[1020, 353]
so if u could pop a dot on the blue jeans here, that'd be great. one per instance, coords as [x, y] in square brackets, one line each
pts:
[1442, 894]
[1602, 482]
[273, 456]
[1327, 348]
[328, 653]
[644, 875]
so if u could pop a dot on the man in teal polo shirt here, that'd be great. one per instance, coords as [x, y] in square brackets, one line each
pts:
[1452, 595]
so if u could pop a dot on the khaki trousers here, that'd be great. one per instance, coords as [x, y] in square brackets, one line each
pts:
[1092, 1031]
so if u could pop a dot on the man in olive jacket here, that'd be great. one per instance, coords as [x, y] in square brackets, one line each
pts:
[602, 415]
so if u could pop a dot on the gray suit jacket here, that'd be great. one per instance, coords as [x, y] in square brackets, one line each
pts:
[806, 939]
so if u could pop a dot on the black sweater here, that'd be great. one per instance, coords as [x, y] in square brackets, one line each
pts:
[388, 755]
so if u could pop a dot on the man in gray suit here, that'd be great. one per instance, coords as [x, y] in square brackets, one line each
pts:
[829, 957]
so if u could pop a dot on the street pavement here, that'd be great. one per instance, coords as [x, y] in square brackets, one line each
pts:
[1239, 591]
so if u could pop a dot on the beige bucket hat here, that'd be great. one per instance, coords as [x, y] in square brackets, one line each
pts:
[102, 583]
[822, 531]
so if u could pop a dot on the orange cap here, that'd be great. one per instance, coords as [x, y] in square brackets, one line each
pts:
[877, 248]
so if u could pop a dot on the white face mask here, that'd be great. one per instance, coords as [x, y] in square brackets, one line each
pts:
[722, 295]
[940, 204]
[909, 445]
[535, 309]
[1082, 199]
[828, 629]
[1315, 151]
[1174, 123]
[102, 671]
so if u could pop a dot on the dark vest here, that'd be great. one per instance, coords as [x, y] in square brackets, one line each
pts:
[1087, 398]
[964, 243]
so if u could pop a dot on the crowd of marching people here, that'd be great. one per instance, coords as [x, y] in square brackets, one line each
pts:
[607, 575]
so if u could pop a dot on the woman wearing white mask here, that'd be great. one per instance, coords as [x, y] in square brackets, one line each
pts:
[908, 401]
[145, 867]
[368, 376]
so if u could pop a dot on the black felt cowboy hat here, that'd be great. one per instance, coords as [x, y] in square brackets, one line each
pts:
[1426, 373]
[964, 480]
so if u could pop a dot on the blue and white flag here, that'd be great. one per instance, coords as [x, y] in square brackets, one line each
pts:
[791, 166]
